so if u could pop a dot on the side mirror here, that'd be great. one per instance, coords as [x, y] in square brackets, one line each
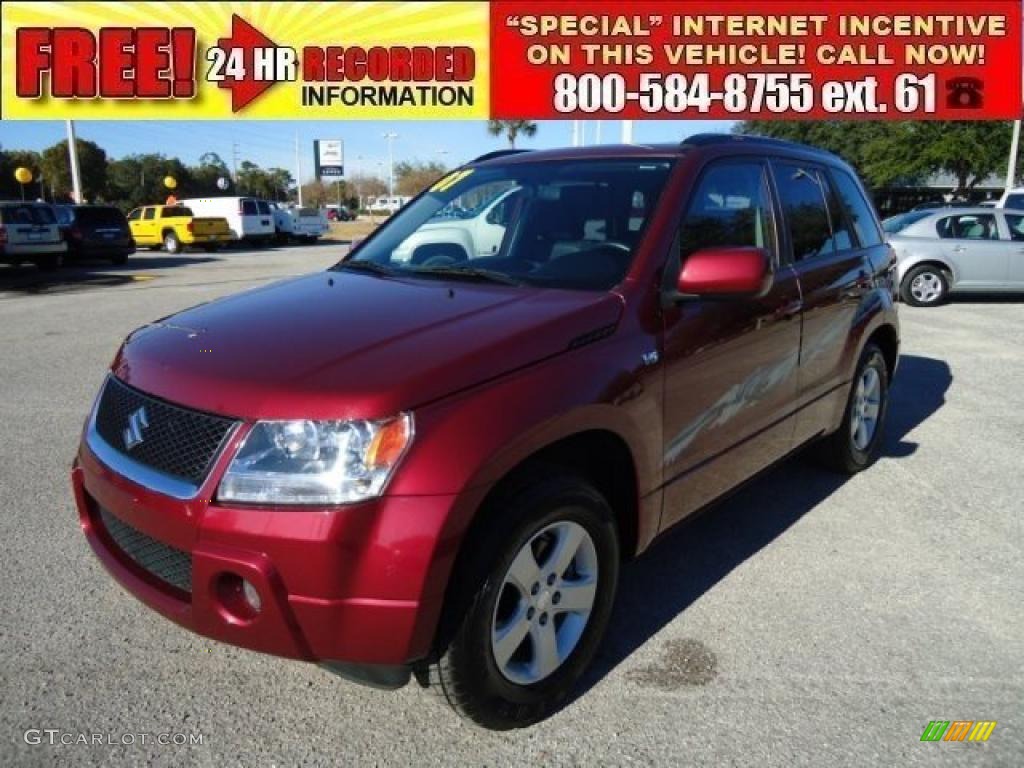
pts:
[737, 271]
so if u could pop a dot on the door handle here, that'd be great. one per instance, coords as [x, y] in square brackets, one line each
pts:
[959, 249]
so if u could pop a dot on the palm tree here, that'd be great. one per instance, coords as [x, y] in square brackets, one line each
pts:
[511, 129]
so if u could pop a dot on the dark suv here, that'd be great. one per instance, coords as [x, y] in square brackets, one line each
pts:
[431, 459]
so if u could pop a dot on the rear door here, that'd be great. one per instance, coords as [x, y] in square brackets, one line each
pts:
[266, 217]
[730, 364]
[30, 227]
[834, 276]
[971, 243]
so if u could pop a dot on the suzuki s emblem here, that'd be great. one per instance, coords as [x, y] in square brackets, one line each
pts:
[137, 422]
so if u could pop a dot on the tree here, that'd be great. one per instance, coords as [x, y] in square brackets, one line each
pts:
[92, 168]
[511, 129]
[887, 153]
[364, 186]
[413, 177]
[136, 180]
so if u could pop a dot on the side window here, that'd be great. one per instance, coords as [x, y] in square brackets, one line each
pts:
[858, 210]
[968, 226]
[263, 207]
[500, 213]
[248, 207]
[841, 238]
[1014, 201]
[1016, 224]
[731, 206]
[149, 214]
[134, 215]
[803, 204]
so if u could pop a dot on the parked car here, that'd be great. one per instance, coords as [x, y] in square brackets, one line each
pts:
[933, 204]
[339, 213]
[249, 219]
[175, 226]
[387, 204]
[1012, 198]
[962, 251]
[306, 224]
[395, 469]
[95, 232]
[29, 233]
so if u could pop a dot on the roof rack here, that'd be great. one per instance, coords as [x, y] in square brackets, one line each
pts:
[705, 139]
[499, 153]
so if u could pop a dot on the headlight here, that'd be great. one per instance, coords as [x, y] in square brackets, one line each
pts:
[316, 462]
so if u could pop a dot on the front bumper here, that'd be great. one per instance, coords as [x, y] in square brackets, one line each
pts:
[353, 584]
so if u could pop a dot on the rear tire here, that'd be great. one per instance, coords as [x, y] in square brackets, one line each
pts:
[171, 243]
[925, 286]
[559, 535]
[858, 441]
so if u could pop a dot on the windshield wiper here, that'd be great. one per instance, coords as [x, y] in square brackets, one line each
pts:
[366, 266]
[469, 273]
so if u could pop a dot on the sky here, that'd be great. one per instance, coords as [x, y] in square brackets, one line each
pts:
[272, 143]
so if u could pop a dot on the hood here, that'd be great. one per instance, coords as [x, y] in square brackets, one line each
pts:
[348, 345]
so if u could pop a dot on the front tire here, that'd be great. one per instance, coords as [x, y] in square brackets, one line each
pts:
[51, 262]
[858, 441]
[540, 593]
[925, 286]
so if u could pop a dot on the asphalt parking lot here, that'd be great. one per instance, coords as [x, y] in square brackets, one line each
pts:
[807, 621]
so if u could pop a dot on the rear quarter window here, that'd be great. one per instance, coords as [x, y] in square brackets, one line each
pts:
[857, 209]
[178, 210]
[99, 216]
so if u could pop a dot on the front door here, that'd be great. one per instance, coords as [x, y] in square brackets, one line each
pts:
[730, 363]
[1015, 269]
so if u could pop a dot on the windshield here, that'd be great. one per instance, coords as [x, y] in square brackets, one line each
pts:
[895, 224]
[568, 224]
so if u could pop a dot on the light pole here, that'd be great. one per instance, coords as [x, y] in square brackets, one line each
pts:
[1011, 168]
[76, 178]
[391, 162]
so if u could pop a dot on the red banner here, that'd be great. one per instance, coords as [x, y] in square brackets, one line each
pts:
[782, 59]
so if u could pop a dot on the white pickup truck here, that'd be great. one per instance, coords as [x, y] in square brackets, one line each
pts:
[300, 223]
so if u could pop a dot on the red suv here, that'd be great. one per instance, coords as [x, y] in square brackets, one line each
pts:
[431, 459]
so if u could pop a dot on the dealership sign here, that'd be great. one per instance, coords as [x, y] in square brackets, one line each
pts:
[330, 158]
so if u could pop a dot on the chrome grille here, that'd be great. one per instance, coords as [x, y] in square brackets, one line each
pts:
[176, 441]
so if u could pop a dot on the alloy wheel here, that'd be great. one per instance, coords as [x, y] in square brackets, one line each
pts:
[545, 602]
[867, 401]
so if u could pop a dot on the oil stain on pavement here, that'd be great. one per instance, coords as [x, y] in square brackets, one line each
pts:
[685, 663]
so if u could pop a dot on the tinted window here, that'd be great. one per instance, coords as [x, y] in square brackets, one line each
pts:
[858, 210]
[99, 216]
[731, 206]
[249, 208]
[178, 210]
[803, 202]
[968, 226]
[1014, 201]
[65, 215]
[841, 238]
[26, 214]
[149, 213]
[1016, 224]
[263, 207]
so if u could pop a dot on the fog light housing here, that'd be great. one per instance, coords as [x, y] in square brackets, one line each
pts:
[239, 600]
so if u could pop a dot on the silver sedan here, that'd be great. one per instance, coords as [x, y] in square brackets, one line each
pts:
[957, 250]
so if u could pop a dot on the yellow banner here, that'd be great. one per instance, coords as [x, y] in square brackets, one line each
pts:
[196, 60]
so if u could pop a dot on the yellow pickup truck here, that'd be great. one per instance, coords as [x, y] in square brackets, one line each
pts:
[174, 227]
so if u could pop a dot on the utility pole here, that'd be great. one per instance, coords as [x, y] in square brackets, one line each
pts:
[76, 177]
[627, 131]
[391, 162]
[298, 168]
[234, 162]
[1011, 167]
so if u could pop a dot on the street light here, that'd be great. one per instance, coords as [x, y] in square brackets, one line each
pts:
[391, 163]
